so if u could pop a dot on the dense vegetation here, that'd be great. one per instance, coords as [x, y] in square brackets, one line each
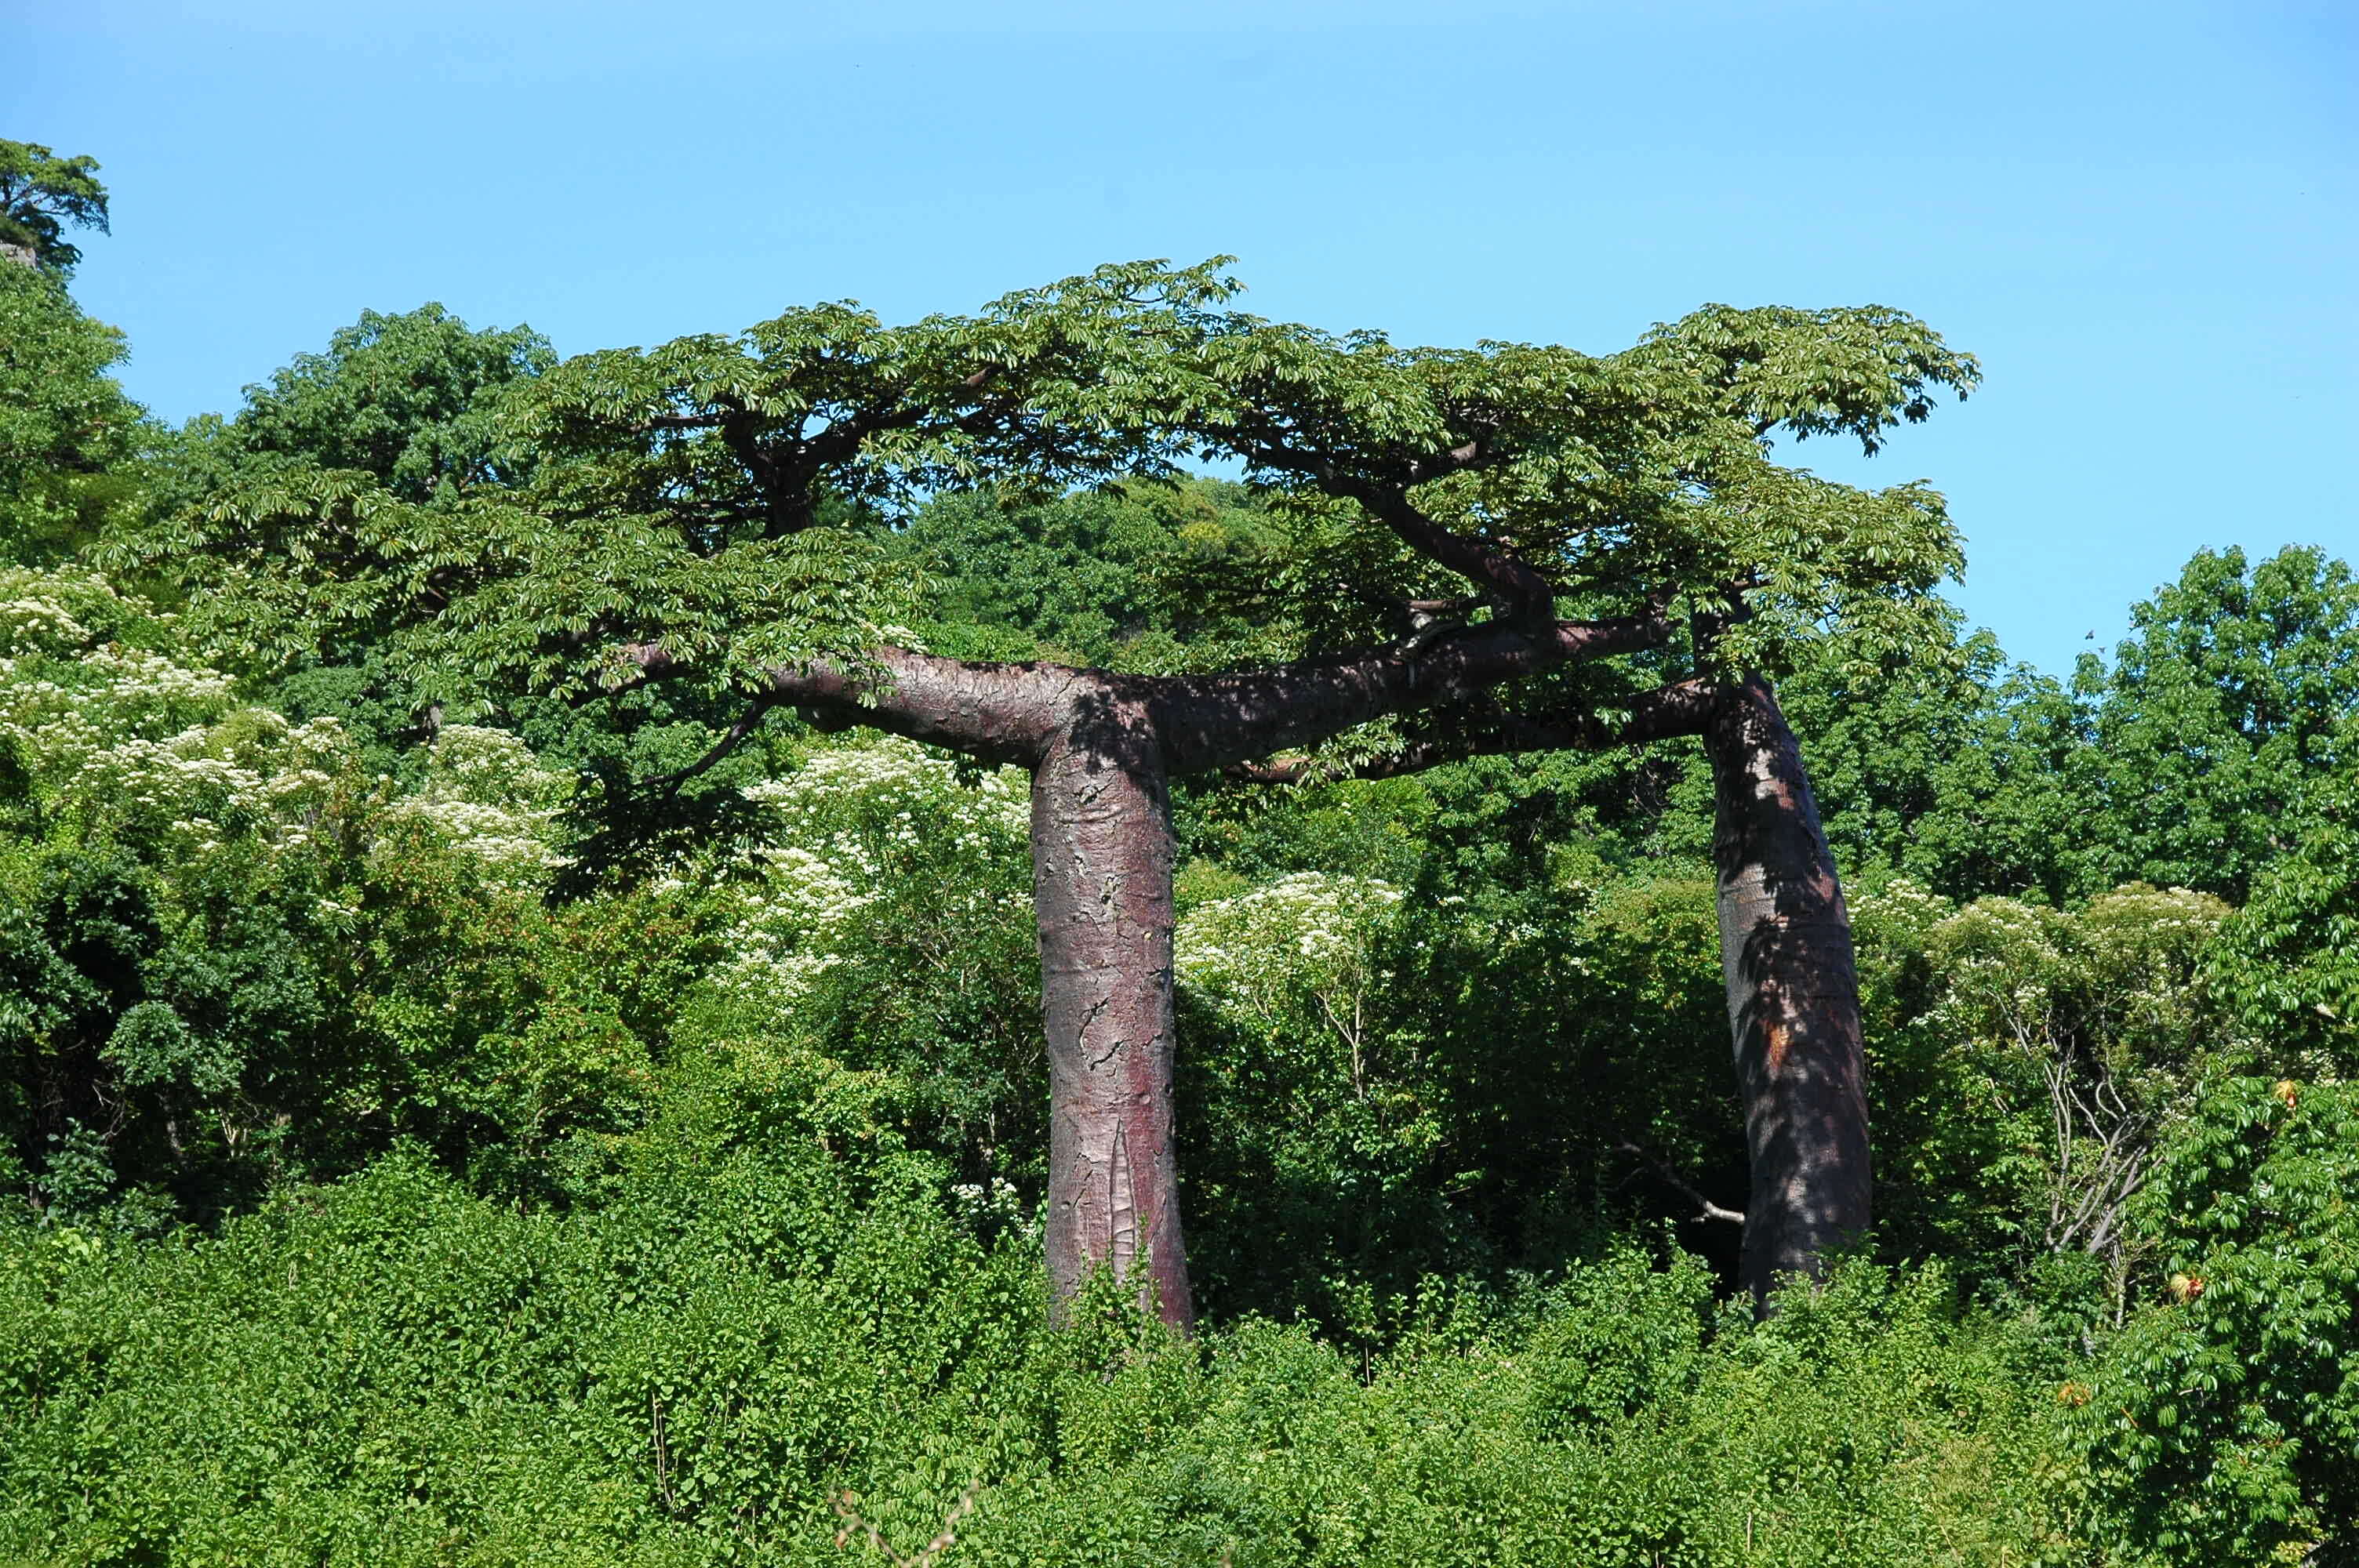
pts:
[405, 1163]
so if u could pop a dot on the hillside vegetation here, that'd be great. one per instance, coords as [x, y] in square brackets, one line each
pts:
[424, 1140]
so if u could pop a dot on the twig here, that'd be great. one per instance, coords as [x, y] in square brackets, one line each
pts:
[846, 1505]
[1707, 1209]
[663, 1460]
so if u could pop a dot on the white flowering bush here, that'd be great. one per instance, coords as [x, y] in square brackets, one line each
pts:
[486, 792]
[2030, 1060]
[1300, 954]
[235, 957]
[126, 739]
[886, 926]
[61, 612]
[880, 843]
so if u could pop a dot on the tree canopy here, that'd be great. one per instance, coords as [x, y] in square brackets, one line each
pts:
[707, 493]
[41, 195]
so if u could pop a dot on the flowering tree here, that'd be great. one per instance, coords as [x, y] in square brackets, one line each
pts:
[227, 951]
[703, 515]
[1301, 952]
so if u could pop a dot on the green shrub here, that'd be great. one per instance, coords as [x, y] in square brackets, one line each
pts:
[2224, 1423]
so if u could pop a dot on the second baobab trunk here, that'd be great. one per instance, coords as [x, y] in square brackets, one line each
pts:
[1793, 993]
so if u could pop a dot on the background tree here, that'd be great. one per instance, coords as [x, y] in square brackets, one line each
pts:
[2219, 706]
[41, 195]
[68, 438]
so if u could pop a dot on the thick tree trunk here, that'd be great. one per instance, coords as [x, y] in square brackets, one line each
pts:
[1793, 993]
[1102, 854]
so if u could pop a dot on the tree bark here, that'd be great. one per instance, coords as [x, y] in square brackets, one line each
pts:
[1793, 993]
[1102, 861]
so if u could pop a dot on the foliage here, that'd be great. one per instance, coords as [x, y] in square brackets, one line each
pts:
[2226, 1420]
[235, 960]
[2290, 959]
[41, 195]
[1128, 578]
[2027, 1062]
[410, 400]
[68, 434]
[2221, 706]
[889, 926]
[391, 1369]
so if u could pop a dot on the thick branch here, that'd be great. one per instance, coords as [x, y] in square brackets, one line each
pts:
[1679, 708]
[994, 713]
[1212, 721]
[1523, 591]
[1008, 712]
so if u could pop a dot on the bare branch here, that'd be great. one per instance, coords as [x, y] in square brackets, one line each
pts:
[1707, 1208]
[669, 783]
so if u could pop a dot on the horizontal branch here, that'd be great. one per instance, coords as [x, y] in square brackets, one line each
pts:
[1211, 721]
[1002, 713]
[1010, 712]
[1679, 708]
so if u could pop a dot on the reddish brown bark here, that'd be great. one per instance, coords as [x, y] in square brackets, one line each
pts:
[1793, 993]
[1102, 854]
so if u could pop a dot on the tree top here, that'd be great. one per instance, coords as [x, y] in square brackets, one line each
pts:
[40, 194]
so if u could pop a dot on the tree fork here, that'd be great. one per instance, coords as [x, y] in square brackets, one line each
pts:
[1793, 993]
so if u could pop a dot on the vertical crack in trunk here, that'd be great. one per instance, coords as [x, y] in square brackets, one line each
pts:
[1102, 859]
[1122, 1231]
[1793, 993]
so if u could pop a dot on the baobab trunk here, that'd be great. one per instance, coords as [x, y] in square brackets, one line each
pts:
[1102, 857]
[1793, 992]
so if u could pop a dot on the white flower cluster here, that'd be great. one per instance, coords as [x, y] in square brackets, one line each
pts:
[2011, 971]
[33, 620]
[887, 778]
[487, 794]
[119, 732]
[1305, 942]
[256, 768]
[105, 694]
[47, 612]
[114, 732]
[854, 818]
[998, 1199]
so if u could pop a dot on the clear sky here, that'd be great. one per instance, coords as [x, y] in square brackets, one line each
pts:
[2143, 218]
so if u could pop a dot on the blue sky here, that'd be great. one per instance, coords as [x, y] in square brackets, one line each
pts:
[2143, 218]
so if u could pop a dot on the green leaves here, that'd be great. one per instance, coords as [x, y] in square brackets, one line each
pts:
[2228, 1422]
[41, 195]
[66, 432]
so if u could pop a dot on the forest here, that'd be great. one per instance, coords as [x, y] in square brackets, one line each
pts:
[1106, 932]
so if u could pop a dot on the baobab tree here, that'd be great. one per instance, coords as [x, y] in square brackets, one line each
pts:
[1461, 522]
